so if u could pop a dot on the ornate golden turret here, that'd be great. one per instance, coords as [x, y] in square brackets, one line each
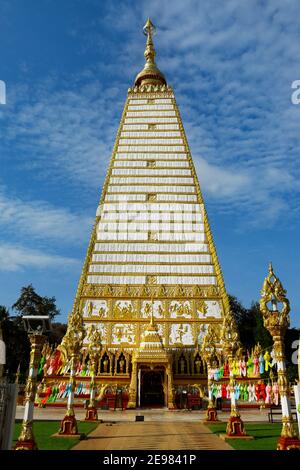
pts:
[150, 73]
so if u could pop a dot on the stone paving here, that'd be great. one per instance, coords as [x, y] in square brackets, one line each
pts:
[161, 429]
[160, 414]
[152, 436]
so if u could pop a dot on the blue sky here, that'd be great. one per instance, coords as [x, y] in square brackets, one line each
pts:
[67, 66]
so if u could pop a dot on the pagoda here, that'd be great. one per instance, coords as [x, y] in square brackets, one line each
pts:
[151, 285]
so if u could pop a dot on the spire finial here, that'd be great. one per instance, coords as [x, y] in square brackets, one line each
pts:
[150, 73]
[271, 268]
[149, 30]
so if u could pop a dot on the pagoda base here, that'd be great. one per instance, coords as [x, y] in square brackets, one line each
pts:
[211, 416]
[68, 426]
[28, 444]
[288, 443]
[91, 414]
[235, 427]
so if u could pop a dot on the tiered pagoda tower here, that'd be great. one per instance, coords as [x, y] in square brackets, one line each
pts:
[151, 282]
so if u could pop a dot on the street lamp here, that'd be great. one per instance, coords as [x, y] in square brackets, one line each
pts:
[275, 308]
[36, 326]
[72, 342]
[94, 353]
[230, 344]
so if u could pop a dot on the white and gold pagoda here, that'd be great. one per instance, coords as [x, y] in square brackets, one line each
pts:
[151, 283]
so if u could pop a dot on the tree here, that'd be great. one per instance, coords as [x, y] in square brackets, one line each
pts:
[250, 324]
[31, 303]
[16, 342]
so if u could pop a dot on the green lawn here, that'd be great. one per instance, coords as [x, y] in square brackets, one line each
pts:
[265, 436]
[43, 431]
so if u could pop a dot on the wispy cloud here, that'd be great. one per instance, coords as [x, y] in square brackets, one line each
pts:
[41, 220]
[17, 257]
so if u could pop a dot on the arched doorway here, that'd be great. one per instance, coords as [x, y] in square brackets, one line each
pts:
[152, 389]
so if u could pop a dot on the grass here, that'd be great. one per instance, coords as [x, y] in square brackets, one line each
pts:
[265, 436]
[43, 431]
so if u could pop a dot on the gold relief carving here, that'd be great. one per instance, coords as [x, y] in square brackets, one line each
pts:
[151, 279]
[142, 291]
[180, 309]
[123, 310]
[152, 236]
[201, 307]
[151, 198]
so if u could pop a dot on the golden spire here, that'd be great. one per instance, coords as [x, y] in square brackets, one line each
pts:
[271, 268]
[150, 73]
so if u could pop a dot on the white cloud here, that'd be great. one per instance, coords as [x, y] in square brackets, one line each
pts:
[42, 221]
[16, 258]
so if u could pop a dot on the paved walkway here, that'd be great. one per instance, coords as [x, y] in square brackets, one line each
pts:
[152, 415]
[152, 436]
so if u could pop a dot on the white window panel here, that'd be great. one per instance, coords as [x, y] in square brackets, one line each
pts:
[153, 148]
[130, 216]
[150, 134]
[155, 101]
[152, 247]
[157, 141]
[167, 126]
[141, 101]
[149, 119]
[144, 127]
[150, 172]
[125, 197]
[191, 280]
[155, 179]
[178, 237]
[151, 189]
[173, 163]
[119, 236]
[135, 127]
[177, 197]
[131, 163]
[151, 156]
[116, 279]
[150, 107]
[156, 114]
[150, 258]
[151, 269]
[148, 206]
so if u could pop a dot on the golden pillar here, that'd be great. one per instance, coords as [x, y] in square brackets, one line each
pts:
[276, 321]
[94, 354]
[72, 341]
[230, 343]
[208, 353]
[133, 384]
[26, 439]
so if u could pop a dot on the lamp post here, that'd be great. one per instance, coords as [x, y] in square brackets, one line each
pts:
[72, 342]
[230, 343]
[208, 352]
[35, 327]
[275, 308]
[94, 353]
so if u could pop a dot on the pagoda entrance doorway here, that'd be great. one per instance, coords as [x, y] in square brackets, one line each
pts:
[152, 388]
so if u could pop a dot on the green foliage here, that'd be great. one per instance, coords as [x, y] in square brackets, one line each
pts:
[17, 344]
[31, 303]
[250, 325]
